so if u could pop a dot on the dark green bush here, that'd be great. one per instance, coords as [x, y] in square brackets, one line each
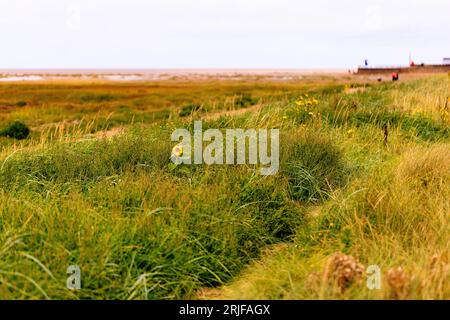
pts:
[16, 130]
[21, 103]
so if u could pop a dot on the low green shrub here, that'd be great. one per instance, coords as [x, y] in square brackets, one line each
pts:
[16, 130]
[21, 103]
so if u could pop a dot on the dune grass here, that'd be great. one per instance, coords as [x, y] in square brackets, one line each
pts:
[364, 180]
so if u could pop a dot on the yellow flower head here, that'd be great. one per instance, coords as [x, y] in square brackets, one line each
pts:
[177, 150]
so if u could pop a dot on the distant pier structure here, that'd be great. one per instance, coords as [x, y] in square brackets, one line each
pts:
[419, 68]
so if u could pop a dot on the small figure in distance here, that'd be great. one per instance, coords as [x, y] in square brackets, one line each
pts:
[394, 76]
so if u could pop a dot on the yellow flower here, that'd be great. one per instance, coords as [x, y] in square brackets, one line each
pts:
[177, 151]
[285, 117]
[350, 131]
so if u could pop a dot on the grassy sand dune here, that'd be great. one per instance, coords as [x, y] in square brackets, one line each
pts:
[364, 180]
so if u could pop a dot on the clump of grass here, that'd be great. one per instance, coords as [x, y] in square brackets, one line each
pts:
[139, 227]
[357, 114]
[189, 109]
[16, 130]
[85, 161]
[244, 100]
[21, 103]
[395, 198]
[314, 168]
[425, 168]
[267, 202]
[98, 98]
[419, 126]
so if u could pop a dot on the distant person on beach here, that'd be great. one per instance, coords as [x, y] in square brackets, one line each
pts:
[366, 63]
[394, 76]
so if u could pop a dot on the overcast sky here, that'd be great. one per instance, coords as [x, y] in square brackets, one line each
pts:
[221, 33]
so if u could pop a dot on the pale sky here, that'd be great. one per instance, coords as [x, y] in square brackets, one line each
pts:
[221, 33]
